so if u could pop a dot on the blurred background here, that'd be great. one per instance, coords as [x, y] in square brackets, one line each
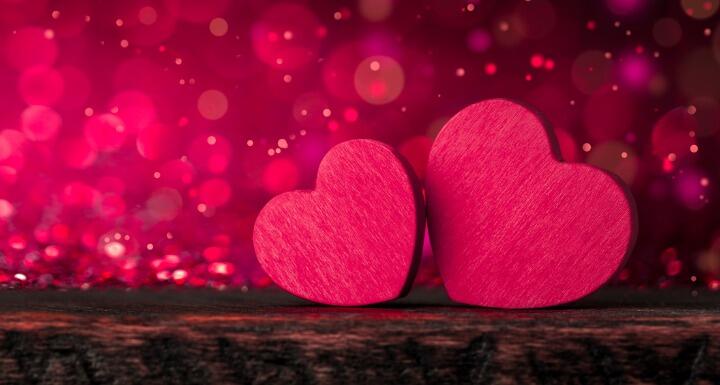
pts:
[139, 138]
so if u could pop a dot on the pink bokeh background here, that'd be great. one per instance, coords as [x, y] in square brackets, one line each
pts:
[139, 139]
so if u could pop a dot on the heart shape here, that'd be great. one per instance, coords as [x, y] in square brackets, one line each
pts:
[355, 239]
[511, 226]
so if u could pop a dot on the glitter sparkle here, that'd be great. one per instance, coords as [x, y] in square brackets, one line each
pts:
[138, 140]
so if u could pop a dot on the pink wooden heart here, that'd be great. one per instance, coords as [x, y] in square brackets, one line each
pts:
[510, 225]
[355, 239]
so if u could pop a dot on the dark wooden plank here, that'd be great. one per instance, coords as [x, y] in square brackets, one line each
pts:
[199, 337]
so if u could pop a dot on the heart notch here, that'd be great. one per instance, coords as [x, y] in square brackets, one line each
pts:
[511, 225]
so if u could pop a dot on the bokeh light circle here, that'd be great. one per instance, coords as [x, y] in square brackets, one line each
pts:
[508, 30]
[375, 10]
[41, 85]
[164, 204]
[479, 40]
[135, 108]
[116, 170]
[700, 9]
[280, 175]
[218, 26]
[636, 72]
[147, 15]
[379, 79]
[6, 209]
[80, 194]
[212, 104]
[105, 132]
[667, 32]
[215, 192]
[40, 123]
[77, 153]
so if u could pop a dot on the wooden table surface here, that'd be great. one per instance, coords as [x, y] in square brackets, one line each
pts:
[616, 336]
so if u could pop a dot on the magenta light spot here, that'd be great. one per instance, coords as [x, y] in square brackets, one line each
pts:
[636, 71]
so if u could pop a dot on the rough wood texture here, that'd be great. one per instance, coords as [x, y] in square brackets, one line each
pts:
[510, 225]
[355, 239]
[268, 337]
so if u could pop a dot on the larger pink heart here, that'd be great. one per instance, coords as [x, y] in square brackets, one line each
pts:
[355, 239]
[513, 227]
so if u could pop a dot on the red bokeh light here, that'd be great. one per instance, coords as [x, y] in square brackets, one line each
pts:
[170, 123]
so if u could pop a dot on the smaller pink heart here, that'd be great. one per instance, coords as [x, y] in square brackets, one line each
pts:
[510, 225]
[355, 239]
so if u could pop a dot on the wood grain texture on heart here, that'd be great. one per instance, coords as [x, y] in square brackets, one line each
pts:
[353, 240]
[511, 226]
